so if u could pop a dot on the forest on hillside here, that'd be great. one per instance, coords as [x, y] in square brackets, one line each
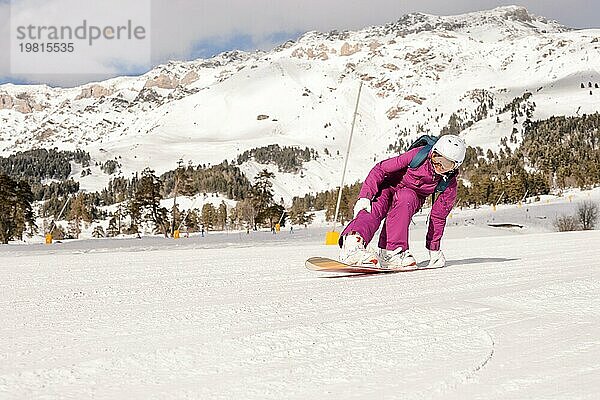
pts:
[557, 153]
[553, 154]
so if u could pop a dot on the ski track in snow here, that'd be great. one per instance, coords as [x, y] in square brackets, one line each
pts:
[510, 317]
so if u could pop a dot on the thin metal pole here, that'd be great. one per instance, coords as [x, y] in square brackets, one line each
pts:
[339, 199]
[60, 214]
[499, 198]
[64, 207]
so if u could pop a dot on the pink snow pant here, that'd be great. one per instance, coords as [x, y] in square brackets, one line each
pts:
[398, 205]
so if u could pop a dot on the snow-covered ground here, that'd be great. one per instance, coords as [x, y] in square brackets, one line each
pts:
[514, 315]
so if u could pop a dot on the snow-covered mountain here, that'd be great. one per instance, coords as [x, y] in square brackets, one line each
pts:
[417, 72]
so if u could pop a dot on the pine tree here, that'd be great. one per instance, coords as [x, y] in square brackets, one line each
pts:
[118, 215]
[299, 214]
[79, 212]
[135, 214]
[245, 213]
[24, 214]
[209, 216]
[112, 229]
[8, 201]
[58, 232]
[192, 221]
[183, 184]
[147, 199]
[222, 215]
[98, 232]
[262, 195]
[349, 197]
[274, 214]
[15, 208]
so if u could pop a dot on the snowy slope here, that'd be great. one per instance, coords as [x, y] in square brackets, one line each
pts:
[417, 71]
[238, 316]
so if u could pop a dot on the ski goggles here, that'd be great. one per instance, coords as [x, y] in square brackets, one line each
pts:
[442, 162]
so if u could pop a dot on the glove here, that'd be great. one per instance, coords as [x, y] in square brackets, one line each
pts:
[436, 259]
[362, 204]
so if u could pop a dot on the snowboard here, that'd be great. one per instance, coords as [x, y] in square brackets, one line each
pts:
[323, 264]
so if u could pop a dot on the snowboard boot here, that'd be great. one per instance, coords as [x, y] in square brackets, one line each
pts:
[397, 259]
[355, 252]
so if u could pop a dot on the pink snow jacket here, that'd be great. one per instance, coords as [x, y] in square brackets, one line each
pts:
[394, 172]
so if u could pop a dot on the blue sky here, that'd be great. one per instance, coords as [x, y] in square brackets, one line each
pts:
[190, 29]
[210, 47]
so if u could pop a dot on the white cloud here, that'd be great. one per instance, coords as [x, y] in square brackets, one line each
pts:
[54, 38]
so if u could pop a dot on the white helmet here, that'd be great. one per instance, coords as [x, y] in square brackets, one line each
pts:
[452, 147]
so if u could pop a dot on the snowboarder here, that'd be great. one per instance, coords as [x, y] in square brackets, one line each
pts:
[395, 190]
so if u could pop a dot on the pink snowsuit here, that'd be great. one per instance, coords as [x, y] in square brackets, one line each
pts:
[398, 192]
